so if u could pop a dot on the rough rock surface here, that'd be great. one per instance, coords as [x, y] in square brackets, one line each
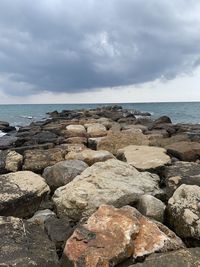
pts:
[10, 161]
[90, 156]
[181, 173]
[76, 130]
[186, 151]
[63, 172]
[112, 235]
[21, 193]
[37, 160]
[151, 207]
[24, 244]
[181, 258]
[96, 130]
[183, 211]
[144, 157]
[110, 182]
[41, 216]
[116, 140]
[7, 141]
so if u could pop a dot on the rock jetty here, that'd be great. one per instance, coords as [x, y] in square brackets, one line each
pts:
[102, 187]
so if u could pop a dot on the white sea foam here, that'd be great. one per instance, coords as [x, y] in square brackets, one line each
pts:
[2, 134]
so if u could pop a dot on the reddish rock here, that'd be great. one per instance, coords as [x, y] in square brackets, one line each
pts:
[186, 151]
[112, 235]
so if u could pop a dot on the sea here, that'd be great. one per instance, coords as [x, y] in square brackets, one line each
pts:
[20, 115]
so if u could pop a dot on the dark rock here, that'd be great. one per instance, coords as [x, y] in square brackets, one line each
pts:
[63, 172]
[22, 149]
[185, 258]
[7, 141]
[37, 160]
[58, 231]
[181, 173]
[163, 119]
[24, 244]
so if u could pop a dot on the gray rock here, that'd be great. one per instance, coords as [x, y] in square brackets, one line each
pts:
[110, 182]
[7, 141]
[24, 244]
[21, 193]
[41, 216]
[63, 172]
[44, 137]
[185, 258]
[183, 212]
[151, 207]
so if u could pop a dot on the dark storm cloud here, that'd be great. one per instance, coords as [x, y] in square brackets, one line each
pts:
[76, 45]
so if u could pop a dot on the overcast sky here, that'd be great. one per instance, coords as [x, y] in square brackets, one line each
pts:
[71, 51]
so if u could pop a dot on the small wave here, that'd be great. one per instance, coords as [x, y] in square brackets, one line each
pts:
[2, 134]
[26, 117]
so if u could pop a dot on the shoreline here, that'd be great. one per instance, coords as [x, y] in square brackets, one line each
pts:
[134, 179]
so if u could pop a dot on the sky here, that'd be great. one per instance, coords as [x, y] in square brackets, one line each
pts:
[92, 51]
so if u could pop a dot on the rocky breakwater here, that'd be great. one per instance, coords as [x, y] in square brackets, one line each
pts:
[99, 188]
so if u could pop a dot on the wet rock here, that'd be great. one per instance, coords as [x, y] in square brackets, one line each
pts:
[63, 172]
[110, 182]
[7, 141]
[90, 156]
[186, 151]
[21, 193]
[112, 235]
[144, 157]
[116, 140]
[45, 137]
[184, 257]
[24, 244]
[22, 149]
[183, 212]
[10, 161]
[37, 160]
[163, 119]
[96, 130]
[181, 173]
[151, 207]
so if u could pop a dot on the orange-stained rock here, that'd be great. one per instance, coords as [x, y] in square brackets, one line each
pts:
[112, 235]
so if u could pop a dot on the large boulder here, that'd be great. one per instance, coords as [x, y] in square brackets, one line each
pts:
[21, 193]
[7, 141]
[37, 160]
[24, 244]
[116, 140]
[179, 173]
[144, 157]
[90, 156]
[10, 161]
[110, 182]
[183, 212]
[184, 257]
[63, 172]
[186, 151]
[44, 137]
[112, 235]
[96, 130]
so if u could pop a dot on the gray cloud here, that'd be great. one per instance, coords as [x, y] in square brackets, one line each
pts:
[75, 45]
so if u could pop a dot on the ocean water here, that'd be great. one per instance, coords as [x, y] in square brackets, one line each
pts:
[18, 115]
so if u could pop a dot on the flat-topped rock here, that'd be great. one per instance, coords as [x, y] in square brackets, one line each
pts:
[63, 172]
[23, 243]
[144, 157]
[116, 140]
[112, 235]
[183, 212]
[110, 182]
[21, 193]
[186, 151]
[179, 173]
[90, 156]
[37, 160]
